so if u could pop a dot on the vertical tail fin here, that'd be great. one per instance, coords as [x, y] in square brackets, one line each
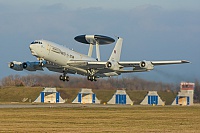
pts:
[115, 56]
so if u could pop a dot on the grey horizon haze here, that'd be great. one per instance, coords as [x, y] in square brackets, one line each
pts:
[151, 29]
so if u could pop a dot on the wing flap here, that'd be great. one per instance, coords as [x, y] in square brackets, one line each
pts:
[129, 63]
[87, 64]
[67, 69]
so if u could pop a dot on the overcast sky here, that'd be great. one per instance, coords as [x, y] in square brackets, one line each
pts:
[151, 29]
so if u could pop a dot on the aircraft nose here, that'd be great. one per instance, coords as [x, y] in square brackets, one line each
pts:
[31, 47]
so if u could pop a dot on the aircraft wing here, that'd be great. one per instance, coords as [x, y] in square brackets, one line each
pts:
[35, 65]
[138, 66]
[100, 68]
[155, 63]
[87, 64]
[169, 62]
[141, 66]
[81, 68]
[58, 69]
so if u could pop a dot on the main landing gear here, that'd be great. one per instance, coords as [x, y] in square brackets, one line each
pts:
[64, 77]
[91, 78]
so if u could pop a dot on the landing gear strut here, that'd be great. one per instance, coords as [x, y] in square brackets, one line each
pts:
[64, 77]
[41, 64]
[91, 76]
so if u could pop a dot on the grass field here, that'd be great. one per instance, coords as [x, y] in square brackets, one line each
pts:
[102, 119]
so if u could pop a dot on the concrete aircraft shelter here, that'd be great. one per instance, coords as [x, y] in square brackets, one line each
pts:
[120, 97]
[152, 98]
[86, 96]
[49, 95]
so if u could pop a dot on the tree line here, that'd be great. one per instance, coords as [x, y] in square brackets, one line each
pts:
[130, 83]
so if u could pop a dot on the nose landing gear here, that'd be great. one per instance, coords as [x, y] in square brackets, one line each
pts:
[41, 64]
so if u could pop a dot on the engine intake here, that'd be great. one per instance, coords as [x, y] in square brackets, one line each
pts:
[112, 65]
[146, 65]
[108, 64]
[32, 66]
[24, 65]
[16, 65]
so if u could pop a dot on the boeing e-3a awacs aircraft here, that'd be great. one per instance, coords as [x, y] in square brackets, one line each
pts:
[60, 59]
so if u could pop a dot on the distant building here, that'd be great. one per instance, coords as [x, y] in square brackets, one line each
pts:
[49, 95]
[186, 94]
[120, 97]
[152, 98]
[86, 96]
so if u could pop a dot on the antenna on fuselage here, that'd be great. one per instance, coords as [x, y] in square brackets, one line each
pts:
[94, 40]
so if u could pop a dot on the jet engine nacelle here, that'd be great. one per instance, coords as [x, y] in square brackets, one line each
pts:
[32, 66]
[146, 65]
[112, 65]
[16, 65]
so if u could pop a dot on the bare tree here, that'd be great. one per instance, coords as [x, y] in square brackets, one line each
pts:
[130, 83]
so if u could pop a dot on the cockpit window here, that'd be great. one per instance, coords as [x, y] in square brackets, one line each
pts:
[36, 42]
